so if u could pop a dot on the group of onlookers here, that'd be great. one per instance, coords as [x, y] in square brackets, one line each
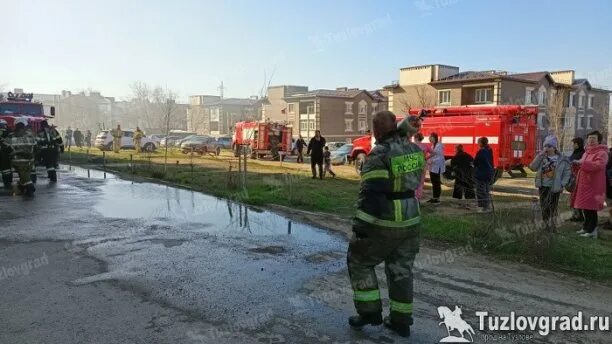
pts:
[585, 174]
[469, 173]
[77, 137]
[320, 156]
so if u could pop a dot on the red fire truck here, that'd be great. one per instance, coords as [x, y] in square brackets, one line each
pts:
[21, 105]
[511, 130]
[258, 137]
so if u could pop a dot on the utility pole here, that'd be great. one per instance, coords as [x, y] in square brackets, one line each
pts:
[221, 88]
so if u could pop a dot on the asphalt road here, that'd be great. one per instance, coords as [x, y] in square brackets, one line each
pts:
[103, 260]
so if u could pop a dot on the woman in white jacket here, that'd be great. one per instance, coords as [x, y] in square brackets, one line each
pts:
[436, 167]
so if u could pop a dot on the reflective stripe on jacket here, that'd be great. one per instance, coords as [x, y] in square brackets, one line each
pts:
[390, 174]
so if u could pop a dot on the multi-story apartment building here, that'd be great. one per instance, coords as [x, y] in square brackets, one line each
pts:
[274, 106]
[341, 115]
[224, 113]
[198, 120]
[568, 107]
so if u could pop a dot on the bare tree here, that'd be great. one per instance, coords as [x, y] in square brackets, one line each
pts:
[558, 114]
[424, 96]
[167, 110]
[145, 106]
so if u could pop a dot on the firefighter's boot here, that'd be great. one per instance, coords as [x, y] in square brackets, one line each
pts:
[29, 189]
[33, 176]
[359, 321]
[52, 175]
[7, 179]
[402, 329]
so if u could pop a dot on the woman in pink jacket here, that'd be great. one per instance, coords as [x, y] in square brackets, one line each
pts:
[590, 191]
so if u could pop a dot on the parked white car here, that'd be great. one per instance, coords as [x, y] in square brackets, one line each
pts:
[104, 141]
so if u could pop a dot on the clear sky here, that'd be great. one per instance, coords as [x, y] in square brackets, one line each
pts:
[191, 46]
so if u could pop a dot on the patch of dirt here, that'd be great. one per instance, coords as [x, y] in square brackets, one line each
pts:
[323, 257]
[269, 249]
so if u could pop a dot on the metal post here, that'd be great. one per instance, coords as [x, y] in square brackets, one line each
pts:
[104, 163]
[289, 227]
[244, 176]
[132, 163]
[191, 163]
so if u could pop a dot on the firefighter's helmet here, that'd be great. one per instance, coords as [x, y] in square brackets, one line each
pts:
[20, 120]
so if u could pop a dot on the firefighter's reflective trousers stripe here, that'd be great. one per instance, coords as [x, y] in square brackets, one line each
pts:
[365, 252]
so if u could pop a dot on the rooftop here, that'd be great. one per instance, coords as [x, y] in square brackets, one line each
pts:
[350, 93]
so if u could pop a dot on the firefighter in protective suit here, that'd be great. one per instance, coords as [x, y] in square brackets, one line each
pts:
[117, 135]
[386, 225]
[24, 146]
[138, 135]
[50, 143]
[6, 152]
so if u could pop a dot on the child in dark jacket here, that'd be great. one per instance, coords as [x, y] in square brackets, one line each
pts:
[327, 160]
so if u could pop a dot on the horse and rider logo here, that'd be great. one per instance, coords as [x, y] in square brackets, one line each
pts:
[452, 320]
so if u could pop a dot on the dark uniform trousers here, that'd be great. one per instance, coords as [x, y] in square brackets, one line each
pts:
[372, 245]
[5, 165]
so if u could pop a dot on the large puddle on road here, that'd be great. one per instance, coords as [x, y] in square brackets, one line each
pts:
[125, 199]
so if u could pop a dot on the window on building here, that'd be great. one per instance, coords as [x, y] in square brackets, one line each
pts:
[581, 100]
[541, 119]
[348, 107]
[568, 121]
[303, 124]
[542, 97]
[571, 99]
[529, 95]
[363, 108]
[589, 120]
[348, 125]
[291, 108]
[310, 109]
[374, 107]
[590, 102]
[362, 125]
[444, 97]
[484, 95]
[311, 124]
[580, 122]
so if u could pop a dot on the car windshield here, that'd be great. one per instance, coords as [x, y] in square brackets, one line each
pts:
[35, 110]
[345, 149]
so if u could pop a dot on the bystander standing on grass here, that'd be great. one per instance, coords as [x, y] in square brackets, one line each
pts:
[483, 175]
[591, 183]
[552, 175]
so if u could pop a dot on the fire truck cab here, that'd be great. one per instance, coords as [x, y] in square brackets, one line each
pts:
[258, 138]
[21, 105]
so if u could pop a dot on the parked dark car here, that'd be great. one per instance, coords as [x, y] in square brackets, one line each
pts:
[224, 142]
[201, 145]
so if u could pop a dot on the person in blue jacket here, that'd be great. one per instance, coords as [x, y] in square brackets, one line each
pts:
[483, 175]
